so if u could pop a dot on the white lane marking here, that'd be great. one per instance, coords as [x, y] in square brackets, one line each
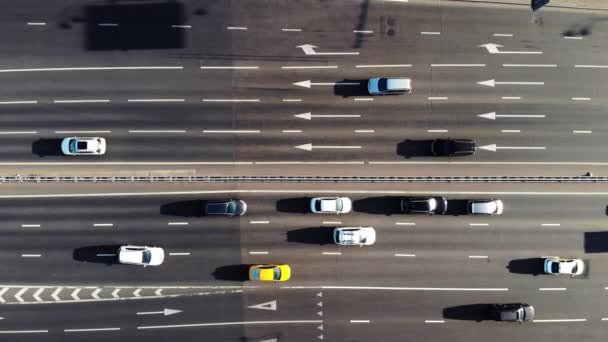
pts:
[83, 132]
[365, 131]
[243, 131]
[292, 131]
[310, 163]
[105, 254]
[478, 256]
[23, 132]
[158, 292]
[430, 33]
[103, 224]
[55, 294]
[253, 67]
[30, 225]
[36, 24]
[511, 97]
[552, 289]
[182, 26]
[23, 331]
[96, 68]
[227, 324]
[389, 288]
[510, 131]
[332, 222]
[478, 224]
[159, 131]
[438, 98]
[550, 224]
[331, 253]
[494, 148]
[492, 83]
[156, 100]
[363, 99]
[530, 65]
[437, 130]
[20, 293]
[308, 84]
[91, 329]
[177, 223]
[559, 320]
[363, 31]
[383, 66]
[590, 66]
[236, 28]
[136, 293]
[434, 321]
[580, 99]
[359, 320]
[95, 294]
[108, 24]
[405, 223]
[292, 100]
[573, 37]
[258, 252]
[493, 115]
[31, 255]
[396, 0]
[405, 255]
[115, 293]
[581, 132]
[310, 67]
[259, 222]
[179, 253]
[81, 101]
[291, 30]
[458, 65]
[17, 102]
[74, 294]
[503, 34]
[493, 49]
[309, 116]
[310, 147]
[2, 292]
[37, 294]
[231, 100]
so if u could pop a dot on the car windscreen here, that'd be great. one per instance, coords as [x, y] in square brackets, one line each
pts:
[277, 273]
[555, 267]
[318, 206]
[382, 83]
[146, 257]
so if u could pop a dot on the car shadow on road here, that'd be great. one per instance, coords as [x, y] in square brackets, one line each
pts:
[533, 266]
[297, 205]
[47, 147]
[103, 254]
[470, 312]
[312, 235]
[347, 88]
[384, 205]
[238, 272]
[596, 242]
[192, 208]
[415, 148]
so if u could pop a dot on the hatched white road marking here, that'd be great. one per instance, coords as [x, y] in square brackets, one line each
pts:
[75, 294]
[55, 294]
[37, 294]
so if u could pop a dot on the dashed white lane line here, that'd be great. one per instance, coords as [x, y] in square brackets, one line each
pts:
[108, 24]
[23, 331]
[180, 253]
[310, 67]
[434, 321]
[292, 100]
[511, 97]
[105, 255]
[82, 101]
[258, 252]
[31, 255]
[359, 320]
[591, 66]
[560, 320]
[438, 98]
[292, 131]
[573, 37]
[405, 223]
[81, 132]
[530, 65]
[437, 130]
[550, 224]
[21, 132]
[182, 26]
[405, 255]
[457, 65]
[259, 222]
[581, 132]
[156, 100]
[36, 24]
[580, 98]
[478, 256]
[383, 66]
[396, 0]
[91, 329]
[331, 253]
[158, 131]
[478, 224]
[243, 131]
[503, 34]
[363, 99]
[552, 289]
[96, 68]
[103, 224]
[363, 31]
[30, 226]
[391, 288]
[332, 222]
[228, 324]
[207, 67]
[236, 28]
[17, 102]
[510, 131]
[291, 30]
[365, 131]
[435, 33]
[177, 223]
[231, 100]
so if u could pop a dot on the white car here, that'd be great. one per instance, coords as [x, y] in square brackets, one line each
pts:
[354, 236]
[389, 85]
[485, 207]
[331, 205]
[559, 265]
[79, 146]
[141, 255]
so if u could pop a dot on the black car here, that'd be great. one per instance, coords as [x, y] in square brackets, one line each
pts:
[424, 205]
[453, 147]
[516, 312]
[226, 208]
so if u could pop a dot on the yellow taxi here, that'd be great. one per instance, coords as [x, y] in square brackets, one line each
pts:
[268, 272]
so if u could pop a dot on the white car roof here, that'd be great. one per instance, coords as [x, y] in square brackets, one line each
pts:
[398, 83]
[329, 204]
[494, 206]
[357, 235]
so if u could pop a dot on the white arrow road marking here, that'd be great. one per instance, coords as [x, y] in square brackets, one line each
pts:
[265, 306]
[95, 294]
[309, 50]
[494, 148]
[493, 49]
[165, 312]
[310, 147]
[2, 292]
[136, 293]
[308, 83]
[75, 294]
[115, 293]
[309, 115]
[55, 294]
[492, 83]
[37, 294]
[20, 293]
[493, 116]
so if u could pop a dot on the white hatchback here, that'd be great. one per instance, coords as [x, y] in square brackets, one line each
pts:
[559, 265]
[80, 146]
[331, 205]
[141, 255]
[485, 207]
[354, 236]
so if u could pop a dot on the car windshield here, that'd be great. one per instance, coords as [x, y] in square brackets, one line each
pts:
[277, 273]
[231, 208]
[555, 267]
[339, 205]
[73, 146]
[382, 83]
[146, 257]
[318, 206]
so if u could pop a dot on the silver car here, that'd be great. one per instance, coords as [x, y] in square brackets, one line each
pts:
[354, 236]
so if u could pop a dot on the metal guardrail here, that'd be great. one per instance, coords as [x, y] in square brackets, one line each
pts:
[293, 179]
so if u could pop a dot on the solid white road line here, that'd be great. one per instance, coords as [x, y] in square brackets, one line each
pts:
[331, 253]
[156, 100]
[430, 33]
[310, 67]
[359, 320]
[437, 131]
[36, 24]
[405, 223]
[91, 329]
[510, 131]
[291, 30]
[458, 65]
[23, 331]
[30, 226]
[580, 99]
[258, 252]
[231, 100]
[438, 98]
[530, 65]
[559, 320]
[259, 222]
[581, 132]
[103, 225]
[81, 101]
[205, 67]
[387, 288]
[180, 253]
[177, 223]
[552, 289]
[478, 256]
[17, 102]
[228, 324]
[150, 131]
[511, 97]
[405, 255]
[23, 132]
[383, 66]
[83, 132]
[589, 66]
[96, 68]
[244, 131]
[503, 34]
[550, 224]
[434, 321]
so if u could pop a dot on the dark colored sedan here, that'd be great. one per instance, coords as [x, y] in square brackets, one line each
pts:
[226, 208]
[424, 205]
[453, 147]
[516, 312]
